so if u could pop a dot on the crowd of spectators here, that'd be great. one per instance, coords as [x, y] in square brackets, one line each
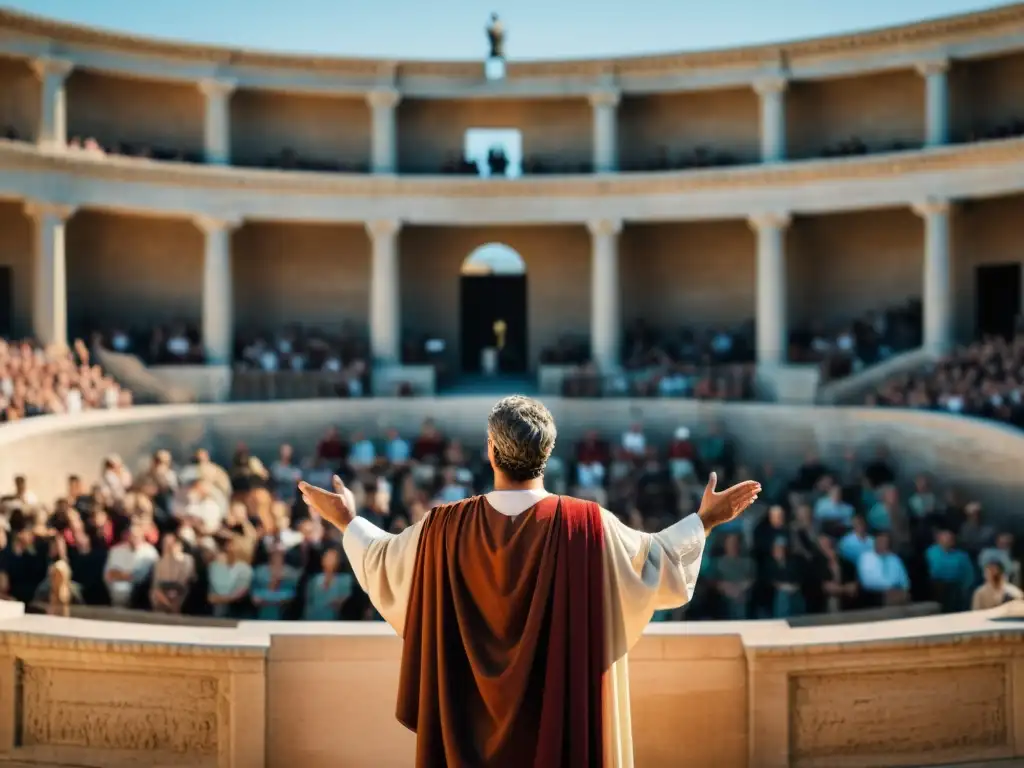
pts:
[714, 364]
[35, 381]
[984, 379]
[92, 146]
[290, 160]
[870, 339]
[236, 541]
[699, 157]
[174, 344]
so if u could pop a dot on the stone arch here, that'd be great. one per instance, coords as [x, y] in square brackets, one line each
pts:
[493, 259]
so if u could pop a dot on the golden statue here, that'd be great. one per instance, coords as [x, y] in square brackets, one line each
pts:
[500, 328]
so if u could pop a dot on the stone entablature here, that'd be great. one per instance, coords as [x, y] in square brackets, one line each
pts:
[964, 36]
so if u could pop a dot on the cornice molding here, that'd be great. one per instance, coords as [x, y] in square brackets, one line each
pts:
[16, 156]
[21, 641]
[933, 33]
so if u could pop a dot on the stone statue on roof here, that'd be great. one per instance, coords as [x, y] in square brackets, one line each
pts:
[496, 37]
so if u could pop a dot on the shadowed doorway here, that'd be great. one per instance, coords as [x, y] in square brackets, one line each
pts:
[997, 299]
[493, 310]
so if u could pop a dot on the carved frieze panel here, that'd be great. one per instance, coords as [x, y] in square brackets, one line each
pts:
[117, 711]
[899, 712]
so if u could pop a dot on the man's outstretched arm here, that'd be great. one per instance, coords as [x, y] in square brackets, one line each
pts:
[655, 571]
[382, 562]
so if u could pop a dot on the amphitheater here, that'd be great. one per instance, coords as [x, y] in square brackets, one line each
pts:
[375, 235]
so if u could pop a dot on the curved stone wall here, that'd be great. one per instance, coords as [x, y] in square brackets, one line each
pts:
[927, 691]
[983, 458]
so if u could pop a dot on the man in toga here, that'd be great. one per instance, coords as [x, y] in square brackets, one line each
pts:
[517, 608]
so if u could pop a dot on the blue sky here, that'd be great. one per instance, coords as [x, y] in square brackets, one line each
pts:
[453, 29]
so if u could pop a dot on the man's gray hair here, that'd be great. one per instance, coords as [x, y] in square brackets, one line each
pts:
[522, 433]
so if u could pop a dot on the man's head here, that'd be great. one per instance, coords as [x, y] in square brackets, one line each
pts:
[520, 437]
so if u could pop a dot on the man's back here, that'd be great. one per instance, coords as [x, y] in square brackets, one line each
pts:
[504, 635]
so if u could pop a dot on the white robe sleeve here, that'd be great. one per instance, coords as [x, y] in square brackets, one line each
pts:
[383, 564]
[646, 572]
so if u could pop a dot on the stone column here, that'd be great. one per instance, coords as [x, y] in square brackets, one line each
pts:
[937, 297]
[385, 314]
[936, 121]
[605, 313]
[384, 137]
[50, 294]
[606, 150]
[217, 120]
[218, 290]
[53, 118]
[772, 92]
[772, 325]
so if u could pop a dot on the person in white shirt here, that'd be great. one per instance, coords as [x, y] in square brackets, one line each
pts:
[204, 508]
[128, 565]
[634, 442]
[881, 573]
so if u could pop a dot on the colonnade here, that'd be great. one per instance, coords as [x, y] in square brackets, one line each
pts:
[385, 320]
[383, 102]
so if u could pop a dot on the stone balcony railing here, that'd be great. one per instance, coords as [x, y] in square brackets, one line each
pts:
[898, 179]
[924, 691]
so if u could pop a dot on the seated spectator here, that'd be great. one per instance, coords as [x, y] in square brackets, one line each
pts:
[396, 450]
[23, 561]
[363, 453]
[284, 475]
[633, 441]
[734, 575]
[882, 576]
[230, 577]
[327, 591]
[129, 565]
[274, 587]
[950, 571]
[830, 511]
[57, 591]
[173, 576]
[832, 584]
[782, 572]
[1004, 549]
[996, 590]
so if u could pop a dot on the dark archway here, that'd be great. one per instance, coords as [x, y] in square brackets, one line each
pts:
[493, 309]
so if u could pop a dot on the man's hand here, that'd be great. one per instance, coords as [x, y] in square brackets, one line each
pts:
[717, 507]
[336, 508]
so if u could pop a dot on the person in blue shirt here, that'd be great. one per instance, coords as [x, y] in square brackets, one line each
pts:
[951, 572]
[273, 587]
[326, 592]
[883, 577]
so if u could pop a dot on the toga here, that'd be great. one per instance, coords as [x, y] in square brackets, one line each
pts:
[517, 610]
